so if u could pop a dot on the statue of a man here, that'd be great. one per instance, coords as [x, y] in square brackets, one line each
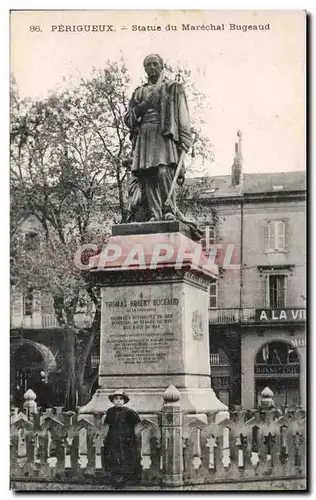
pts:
[158, 118]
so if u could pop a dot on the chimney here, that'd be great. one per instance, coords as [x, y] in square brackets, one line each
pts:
[237, 165]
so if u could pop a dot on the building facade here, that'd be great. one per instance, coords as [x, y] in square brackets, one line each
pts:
[257, 312]
[37, 341]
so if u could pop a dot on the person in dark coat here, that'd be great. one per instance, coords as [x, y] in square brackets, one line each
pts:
[44, 392]
[121, 450]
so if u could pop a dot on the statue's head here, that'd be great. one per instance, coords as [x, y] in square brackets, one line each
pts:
[153, 65]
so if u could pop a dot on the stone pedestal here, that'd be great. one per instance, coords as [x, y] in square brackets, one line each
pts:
[154, 326]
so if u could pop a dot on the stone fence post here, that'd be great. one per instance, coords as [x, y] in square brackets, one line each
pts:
[30, 404]
[266, 402]
[171, 437]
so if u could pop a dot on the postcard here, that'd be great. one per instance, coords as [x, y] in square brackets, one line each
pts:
[158, 226]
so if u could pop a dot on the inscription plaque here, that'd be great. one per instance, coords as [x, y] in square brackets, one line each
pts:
[140, 328]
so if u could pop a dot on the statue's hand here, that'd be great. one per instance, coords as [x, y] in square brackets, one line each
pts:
[180, 181]
[154, 99]
[141, 109]
[181, 177]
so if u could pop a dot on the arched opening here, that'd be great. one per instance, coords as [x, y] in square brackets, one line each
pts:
[277, 366]
[28, 360]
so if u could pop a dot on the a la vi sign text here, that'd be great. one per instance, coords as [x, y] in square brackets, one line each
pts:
[280, 314]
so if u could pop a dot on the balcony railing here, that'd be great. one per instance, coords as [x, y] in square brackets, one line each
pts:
[38, 321]
[216, 316]
[49, 321]
[214, 358]
[95, 361]
[224, 316]
[256, 315]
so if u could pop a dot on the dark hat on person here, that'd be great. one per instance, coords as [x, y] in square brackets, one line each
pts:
[119, 393]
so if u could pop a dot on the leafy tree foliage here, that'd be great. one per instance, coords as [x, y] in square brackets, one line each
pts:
[67, 172]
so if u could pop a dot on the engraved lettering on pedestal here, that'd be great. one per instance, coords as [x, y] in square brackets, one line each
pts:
[142, 334]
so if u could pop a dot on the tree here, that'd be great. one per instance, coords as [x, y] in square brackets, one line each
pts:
[66, 154]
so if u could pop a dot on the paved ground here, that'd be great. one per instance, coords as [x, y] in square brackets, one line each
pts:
[279, 485]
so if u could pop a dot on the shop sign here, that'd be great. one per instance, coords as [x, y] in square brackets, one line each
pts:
[280, 315]
[298, 342]
[288, 369]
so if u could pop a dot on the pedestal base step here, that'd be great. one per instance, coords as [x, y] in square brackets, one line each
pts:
[193, 400]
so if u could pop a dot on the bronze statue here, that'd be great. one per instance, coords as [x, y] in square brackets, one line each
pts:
[158, 118]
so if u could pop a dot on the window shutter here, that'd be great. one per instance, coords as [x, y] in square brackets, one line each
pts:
[37, 301]
[29, 302]
[266, 236]
[213, 295]
[213, 304]
[279, 235]
[203, 239]
[47, 303]
[267, 292]
[286, 234]
[273, 235]
[208, 237]
[284, 288]
[16, 302]
[212, 235]
[283, 234]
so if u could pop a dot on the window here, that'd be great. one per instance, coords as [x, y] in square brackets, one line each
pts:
[277, 353]
[275, 291]
[275, 236]
[208, 238]
[47, 303]
[28, 302]
[213, 295]
[277, 366]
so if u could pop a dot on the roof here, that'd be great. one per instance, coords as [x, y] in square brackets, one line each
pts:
[276, 181]
[273, 182]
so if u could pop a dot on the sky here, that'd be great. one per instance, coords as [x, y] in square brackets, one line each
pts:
[254, 81]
